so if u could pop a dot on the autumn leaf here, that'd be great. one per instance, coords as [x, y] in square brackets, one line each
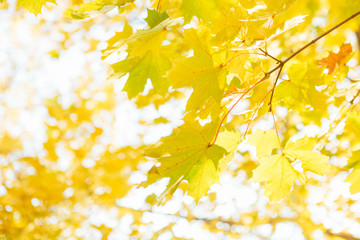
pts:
[116, 43]
[279, 175]
[277, 171]
[312, 161]
[140, 69]
[335, 60]
[198, 72]
[300, 90]
[188, 154]
[264, 142]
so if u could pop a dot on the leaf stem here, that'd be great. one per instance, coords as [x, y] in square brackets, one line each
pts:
[280, 66]
[228, 62]
[273, 89]
[256, 110]
[241, 97]
[321, 36]
[268, 55]
[277, 133]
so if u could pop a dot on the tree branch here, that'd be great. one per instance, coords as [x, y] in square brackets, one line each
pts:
[321, 36]
[282, 63]
[280, 66]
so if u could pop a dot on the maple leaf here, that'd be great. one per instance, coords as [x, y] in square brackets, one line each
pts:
[188, 154]
[146, 40]
[278, 174]
[300, 89]
[276, 170]
[312, 161]
[33, 6]
[337, 59]
[264, 141]
[198, 72]
[154, 17]
[116, 42]
[146, 59]
[140, 69]
[228, 25]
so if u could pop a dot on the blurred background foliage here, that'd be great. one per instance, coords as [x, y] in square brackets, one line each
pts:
[72, 144]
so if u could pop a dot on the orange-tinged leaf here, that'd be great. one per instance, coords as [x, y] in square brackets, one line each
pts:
[337, 59]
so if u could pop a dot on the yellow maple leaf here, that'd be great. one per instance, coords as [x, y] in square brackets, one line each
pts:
[264, 141]
[199, 72]
[279, 175]
[303, 149]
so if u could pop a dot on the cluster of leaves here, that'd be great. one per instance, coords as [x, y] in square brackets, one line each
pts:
[220, 50]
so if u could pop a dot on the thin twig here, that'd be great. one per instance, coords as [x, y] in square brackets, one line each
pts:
[321, 36]
[254, 113]
[268, 55]
[241, 97]
[248, 53]
[281, 65]
[277, 132]
[273, 89]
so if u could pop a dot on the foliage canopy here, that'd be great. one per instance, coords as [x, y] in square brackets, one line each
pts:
[268, 96]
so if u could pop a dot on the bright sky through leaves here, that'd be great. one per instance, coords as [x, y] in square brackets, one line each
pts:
[179, 119]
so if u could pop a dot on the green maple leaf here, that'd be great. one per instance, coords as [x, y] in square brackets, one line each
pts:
[188, 154]
[146, 59]
[198, 72]
[140, 69]
[154, 17]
